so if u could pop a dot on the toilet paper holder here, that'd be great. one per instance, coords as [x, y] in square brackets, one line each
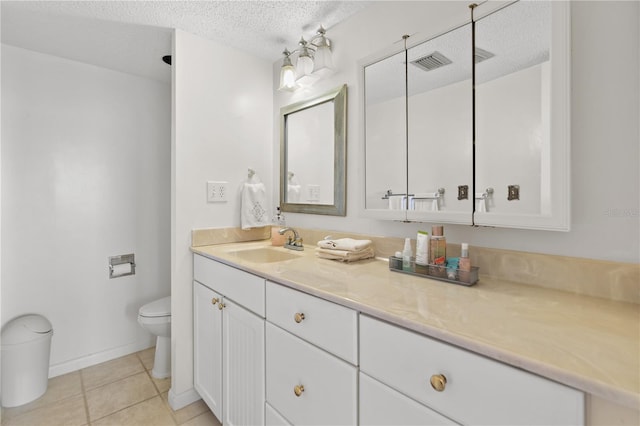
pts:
[122, 265]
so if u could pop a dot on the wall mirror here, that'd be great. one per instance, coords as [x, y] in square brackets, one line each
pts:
[473, 126]
[522, 116]
[313, 154]
[418, 131]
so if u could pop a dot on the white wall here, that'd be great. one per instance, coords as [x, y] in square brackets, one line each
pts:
[85, 175]
[605, 221]
[222, 105]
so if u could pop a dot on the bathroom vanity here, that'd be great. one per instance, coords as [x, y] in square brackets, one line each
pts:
[292, 339]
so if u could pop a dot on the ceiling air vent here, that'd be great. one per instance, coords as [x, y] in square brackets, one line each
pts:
[482, 55]
[431, 61]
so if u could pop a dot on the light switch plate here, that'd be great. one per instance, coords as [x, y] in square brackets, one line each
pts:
[217, 192]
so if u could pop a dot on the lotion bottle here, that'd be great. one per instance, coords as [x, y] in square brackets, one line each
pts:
[406, 255]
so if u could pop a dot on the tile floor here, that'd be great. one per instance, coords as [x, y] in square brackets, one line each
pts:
[119, 392]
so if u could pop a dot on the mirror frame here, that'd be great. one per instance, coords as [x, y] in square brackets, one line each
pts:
[339, 207]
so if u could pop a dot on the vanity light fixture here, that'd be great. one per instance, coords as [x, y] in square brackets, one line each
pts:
[313, 62]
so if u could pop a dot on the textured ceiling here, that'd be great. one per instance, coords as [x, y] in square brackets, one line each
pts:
[132, 36]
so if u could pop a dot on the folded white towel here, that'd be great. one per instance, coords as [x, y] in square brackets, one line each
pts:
[253, 212]
[344, 255]
[348, 244]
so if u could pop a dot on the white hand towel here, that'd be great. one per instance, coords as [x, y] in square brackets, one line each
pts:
[253, 212]
[347, 244]
[343, 255]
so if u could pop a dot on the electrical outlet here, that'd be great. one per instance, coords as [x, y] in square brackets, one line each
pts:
[216, 192]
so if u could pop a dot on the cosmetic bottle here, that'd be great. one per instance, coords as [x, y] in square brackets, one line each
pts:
[464, 264]
[406, 255]
[438, 251]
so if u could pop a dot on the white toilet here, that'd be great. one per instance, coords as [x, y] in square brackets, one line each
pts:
[155, 317]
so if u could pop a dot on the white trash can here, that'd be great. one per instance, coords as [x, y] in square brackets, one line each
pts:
[26, 346]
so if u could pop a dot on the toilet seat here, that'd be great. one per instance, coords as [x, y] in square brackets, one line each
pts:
[158, 308]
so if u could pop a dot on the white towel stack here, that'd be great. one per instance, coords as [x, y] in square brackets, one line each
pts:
[345, 249]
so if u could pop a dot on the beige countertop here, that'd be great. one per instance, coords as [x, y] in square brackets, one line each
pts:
[589, 343]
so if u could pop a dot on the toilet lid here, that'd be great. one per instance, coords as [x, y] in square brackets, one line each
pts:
[158, 308]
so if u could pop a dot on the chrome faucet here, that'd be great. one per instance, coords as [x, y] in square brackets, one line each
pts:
[294, 243]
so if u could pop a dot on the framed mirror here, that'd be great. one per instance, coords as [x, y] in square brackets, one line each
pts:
[522, 116]
[313, 155]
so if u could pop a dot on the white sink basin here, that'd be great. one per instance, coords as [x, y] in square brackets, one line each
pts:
[264, 255]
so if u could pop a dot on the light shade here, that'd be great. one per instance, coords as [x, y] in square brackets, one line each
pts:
[287, 73]
[323, 63]
[304, 70]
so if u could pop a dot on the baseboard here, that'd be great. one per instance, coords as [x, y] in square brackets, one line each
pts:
[97, 358]
[177, 402]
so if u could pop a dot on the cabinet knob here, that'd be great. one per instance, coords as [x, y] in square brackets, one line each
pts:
[298, 390]
[438, 382]
[298, 317]
[214, 300]
[221, 305]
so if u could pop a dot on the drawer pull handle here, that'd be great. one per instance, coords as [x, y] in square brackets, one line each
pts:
[438, 382]
[298, 390]
[298, 317]
[214, 300]
[221, 305]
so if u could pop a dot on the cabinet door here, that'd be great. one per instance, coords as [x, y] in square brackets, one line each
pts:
[523, 116]
[207, 347]
[381, 405]
[243, 366]
[440, 126]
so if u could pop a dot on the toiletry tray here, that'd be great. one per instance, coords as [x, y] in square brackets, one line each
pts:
[436, 272]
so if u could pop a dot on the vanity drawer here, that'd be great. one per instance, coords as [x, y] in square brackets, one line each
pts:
[478, 390]
[325, 324]
[241, 287]
[327, 386]
[382, 406]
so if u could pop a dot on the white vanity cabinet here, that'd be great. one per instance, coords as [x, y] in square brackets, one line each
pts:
[465, 387]
[229, 368]
[311, 357]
